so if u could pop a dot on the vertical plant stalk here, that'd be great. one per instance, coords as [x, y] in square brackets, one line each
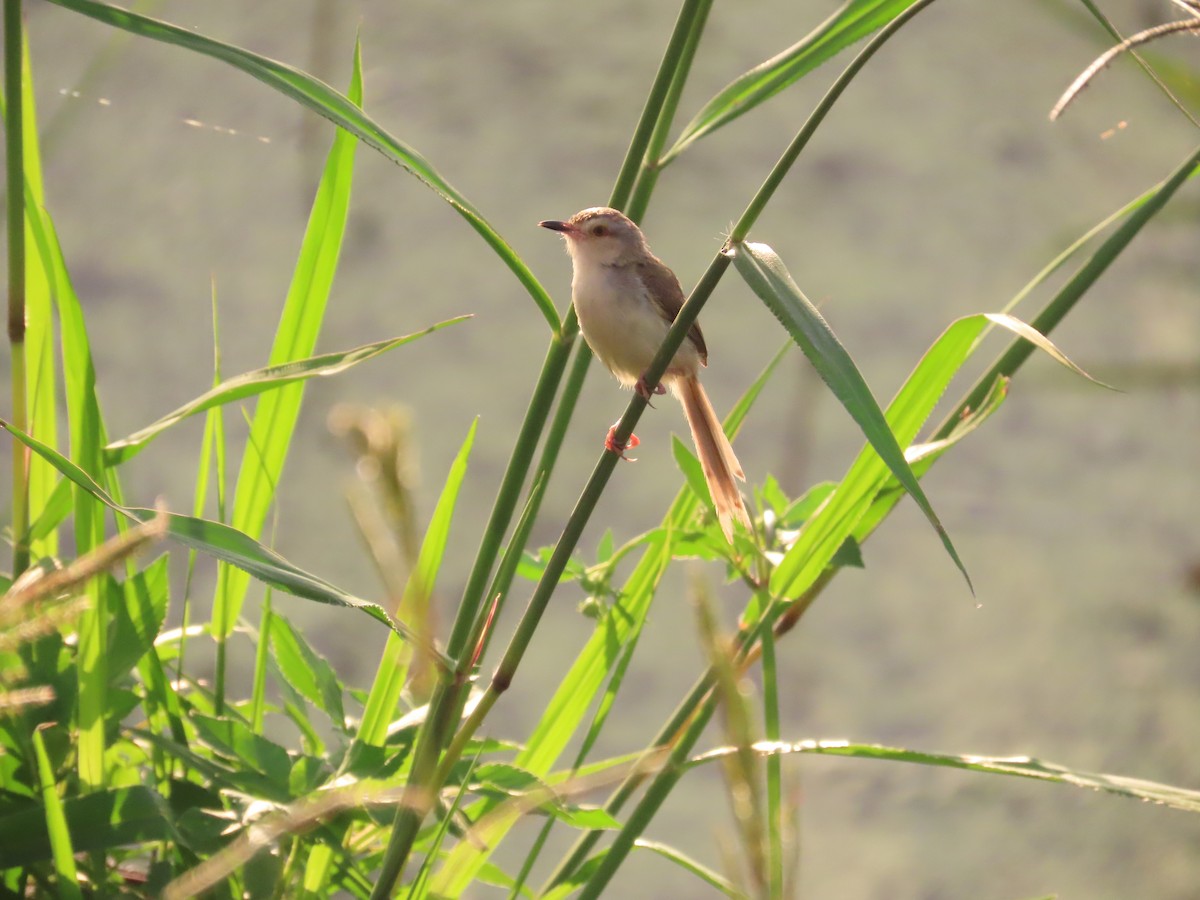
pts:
[14, 138]
[648, 173]
[781, 168]
[450, 694]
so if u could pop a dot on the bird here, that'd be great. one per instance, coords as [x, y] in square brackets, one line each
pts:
[626, 299]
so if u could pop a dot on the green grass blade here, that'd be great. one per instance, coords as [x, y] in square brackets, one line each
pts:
[260, 381]
[414, 605]
[87, 440]
[769, 279]
[40, 374]
[276, 413]
[1185, 799]
[709, 876]
[56, 823]
[227, 544]
[842, 514]
[854, 21]
[307, 671]
[342, 111]
[1079, 283]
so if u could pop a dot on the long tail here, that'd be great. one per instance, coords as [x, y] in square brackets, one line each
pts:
[716, 455]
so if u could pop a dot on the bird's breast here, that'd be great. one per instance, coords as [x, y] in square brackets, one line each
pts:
[622, 324]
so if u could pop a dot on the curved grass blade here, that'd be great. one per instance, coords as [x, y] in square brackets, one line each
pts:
[1140, 212]
[769, 279]
[325, 101]
[392, 675]
[259, 381]
[1185, 799]
[709, 876]
[854, 21]
[840, 517]
[62, 852]
[226, 543]
[276, 413]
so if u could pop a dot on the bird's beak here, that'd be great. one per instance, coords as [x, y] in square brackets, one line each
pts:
[555, 225]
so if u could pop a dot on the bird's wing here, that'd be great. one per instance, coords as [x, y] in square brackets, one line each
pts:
[664, 287]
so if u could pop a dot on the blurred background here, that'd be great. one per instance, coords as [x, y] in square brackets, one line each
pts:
[936, 189]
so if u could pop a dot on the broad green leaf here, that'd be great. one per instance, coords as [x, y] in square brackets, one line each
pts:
[414, 611]
[227, 544]
[854, 21]
[767, 277]
[307, 671]
[260, 381]
[276, 413]
[138, 617]
[103, 820]
[1185, 799]
[234, 740]
[54, 513]
[342, 111]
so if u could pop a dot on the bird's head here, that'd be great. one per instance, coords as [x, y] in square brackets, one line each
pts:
[600, 235]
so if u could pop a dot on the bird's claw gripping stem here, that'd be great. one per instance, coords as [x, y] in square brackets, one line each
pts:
[644, 390]
[613, 446]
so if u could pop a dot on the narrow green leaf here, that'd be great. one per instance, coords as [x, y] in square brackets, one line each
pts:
[87, 437]
[137, 617]
[414, 609]
[701, 871]
[227, 544]
[276, 413]
[342, 111]
[854, 21]
[842, 515]
[40, 374]
[260, 381]
[1185, 799]
[769, 279]
[56, 822]
[1033, 336]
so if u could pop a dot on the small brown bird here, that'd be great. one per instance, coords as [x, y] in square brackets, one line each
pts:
[626, 299]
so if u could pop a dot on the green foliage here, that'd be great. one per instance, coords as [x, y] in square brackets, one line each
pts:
[122, 768]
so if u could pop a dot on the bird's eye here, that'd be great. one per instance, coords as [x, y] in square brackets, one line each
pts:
[599, 230]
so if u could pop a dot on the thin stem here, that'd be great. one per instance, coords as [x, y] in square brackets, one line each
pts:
[1072, 292]
[648, 173]
[14, 143]
[781, 169]
[674, 58]
[1145, 66]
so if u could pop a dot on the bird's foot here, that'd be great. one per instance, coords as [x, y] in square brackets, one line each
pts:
[612, 445]
[645, 392]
